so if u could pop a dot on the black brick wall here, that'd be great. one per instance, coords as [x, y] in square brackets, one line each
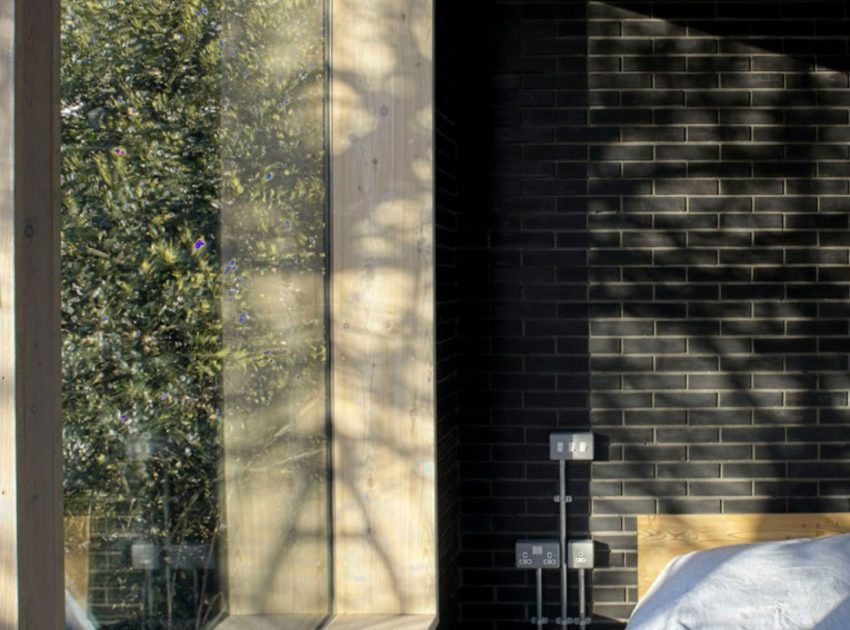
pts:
[659, 249]
[718, 254]
[454, 137]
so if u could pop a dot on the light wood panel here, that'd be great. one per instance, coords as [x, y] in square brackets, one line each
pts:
[382, 622]
[31, 580]
[8, 442]
[272, 622]
[663, 537]
[382, 306]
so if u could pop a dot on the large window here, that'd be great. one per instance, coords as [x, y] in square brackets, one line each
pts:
[193, 311]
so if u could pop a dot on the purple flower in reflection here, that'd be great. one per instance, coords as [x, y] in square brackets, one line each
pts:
[199, 244]
[269, 177]
[123, 418]
[243, 318]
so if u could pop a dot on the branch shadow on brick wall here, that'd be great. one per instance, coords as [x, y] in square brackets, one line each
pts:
[726, 244]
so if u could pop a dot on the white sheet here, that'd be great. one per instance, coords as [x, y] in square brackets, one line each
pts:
[795, 584]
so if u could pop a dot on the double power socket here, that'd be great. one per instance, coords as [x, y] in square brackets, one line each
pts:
[546, 554]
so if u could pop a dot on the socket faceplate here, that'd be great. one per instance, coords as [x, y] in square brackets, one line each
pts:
[580, 554]
[538, 554]
[571, 446]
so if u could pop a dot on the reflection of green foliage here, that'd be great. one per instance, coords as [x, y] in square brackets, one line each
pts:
[171, 110]
[140, 184]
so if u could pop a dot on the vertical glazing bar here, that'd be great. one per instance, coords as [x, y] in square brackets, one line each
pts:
[562, 507]
[539, 617]
[582, 606]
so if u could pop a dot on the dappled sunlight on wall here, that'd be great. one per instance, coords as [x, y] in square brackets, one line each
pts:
[382, 287]
[718, 252]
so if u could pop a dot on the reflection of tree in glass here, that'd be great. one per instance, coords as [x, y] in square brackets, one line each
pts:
[150, 148]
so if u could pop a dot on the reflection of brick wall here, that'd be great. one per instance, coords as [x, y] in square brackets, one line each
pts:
[115, 589]
[118, 594]
[664, 256]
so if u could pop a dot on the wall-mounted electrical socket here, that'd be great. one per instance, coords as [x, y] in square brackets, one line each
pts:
[538, 554]
[580, 554]
[571, 446]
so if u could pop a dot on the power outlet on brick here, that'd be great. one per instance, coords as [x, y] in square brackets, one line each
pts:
[571, 446]
[538, 554]
[580, 554]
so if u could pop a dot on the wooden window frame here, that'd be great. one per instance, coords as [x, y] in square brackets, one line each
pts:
[31, 545]
[398, 109]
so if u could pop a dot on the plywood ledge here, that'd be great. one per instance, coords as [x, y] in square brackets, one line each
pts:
[383, 622]
[340, 622]
[272, 622]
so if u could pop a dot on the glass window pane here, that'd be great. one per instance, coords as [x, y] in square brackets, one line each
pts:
[193, 304]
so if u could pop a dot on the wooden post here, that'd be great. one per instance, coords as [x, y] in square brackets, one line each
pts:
[31, 576]
[382, 288]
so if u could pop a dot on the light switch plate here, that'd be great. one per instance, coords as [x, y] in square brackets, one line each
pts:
[571, 446]
[580, 554]
[538, 554]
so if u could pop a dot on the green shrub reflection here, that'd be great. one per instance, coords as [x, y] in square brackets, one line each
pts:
[171, 109]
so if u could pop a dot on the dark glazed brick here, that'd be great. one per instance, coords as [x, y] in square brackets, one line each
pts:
[720, 488]
[688, 506]
[688, 471]
[719, 452]
[649, 238]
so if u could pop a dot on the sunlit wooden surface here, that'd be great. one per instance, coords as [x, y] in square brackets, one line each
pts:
[382, 622]
[663, 537]
[8, 460]
[382, 306]
[272, 622]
